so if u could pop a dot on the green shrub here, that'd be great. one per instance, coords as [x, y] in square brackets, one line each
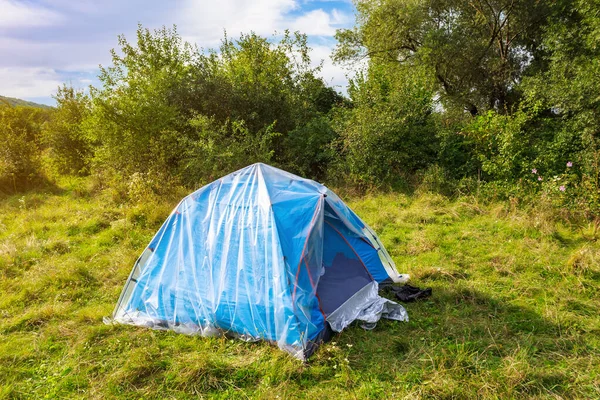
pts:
[166, 106]
[436, 179]
[222, 148]
[389, 131]
[69, 150]
[20, 166]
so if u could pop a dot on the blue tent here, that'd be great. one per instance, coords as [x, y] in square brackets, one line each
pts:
[261, 254]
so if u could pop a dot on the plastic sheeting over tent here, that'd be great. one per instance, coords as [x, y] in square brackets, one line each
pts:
[260, 254]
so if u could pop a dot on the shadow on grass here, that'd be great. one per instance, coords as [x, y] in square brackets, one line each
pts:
[568, 241]
[461, 340]
[36, 191]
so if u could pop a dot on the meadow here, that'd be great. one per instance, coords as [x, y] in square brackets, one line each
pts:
[467, 137]
[514, 311]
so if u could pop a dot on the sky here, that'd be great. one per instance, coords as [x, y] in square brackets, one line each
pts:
[45, 43]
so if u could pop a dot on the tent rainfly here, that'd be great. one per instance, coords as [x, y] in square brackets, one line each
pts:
[261, 254]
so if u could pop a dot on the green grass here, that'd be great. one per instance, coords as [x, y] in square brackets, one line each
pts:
[514, 311]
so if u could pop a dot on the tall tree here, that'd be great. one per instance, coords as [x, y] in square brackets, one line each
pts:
[568, 89]
[477, 50]
[68, 147]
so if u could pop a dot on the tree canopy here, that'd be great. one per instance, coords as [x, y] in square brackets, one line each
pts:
[500, 94]
[477, 51]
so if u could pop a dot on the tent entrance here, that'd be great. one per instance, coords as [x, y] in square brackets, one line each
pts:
[342, 279]
[345, 273]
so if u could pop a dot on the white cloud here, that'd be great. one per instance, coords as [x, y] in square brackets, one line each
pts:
[319, 22]
[47, 42]
[28, 82]
[24, 14]
[340, 18]
[205, 21]
[203, 24]
[316, 22]
[59, 54]
[333, 75]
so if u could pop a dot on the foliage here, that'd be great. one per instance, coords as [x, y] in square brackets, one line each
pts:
[198, 115]
[457, 97]
[20, 132]
[308, 149]
[575, 192]
[475, 50]
[569, 85]
[269, 89]
[69, 149]
[505, 94]
[502, 144]
[456, 154]
[134, 118]
[568, 89]
[389, 130]
[225, 147]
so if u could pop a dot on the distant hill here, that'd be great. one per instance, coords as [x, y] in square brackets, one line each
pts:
[18, 102]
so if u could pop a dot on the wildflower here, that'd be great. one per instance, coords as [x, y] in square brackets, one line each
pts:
[562, 188]
[569, 164]
[540, 178]
[534, 171]
[349, 345]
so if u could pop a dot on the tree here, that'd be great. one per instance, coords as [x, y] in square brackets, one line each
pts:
[136, 117]
[274, 91]
[477, 51]
[20, 131]
[169, 109]
[68, 147]
[568, 89]
[389, 131]
[567, 92]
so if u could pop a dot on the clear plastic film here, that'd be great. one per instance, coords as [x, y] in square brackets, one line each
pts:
[247, 256]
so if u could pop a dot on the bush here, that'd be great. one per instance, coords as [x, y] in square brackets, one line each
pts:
[165, 106]
[501, 144]
[389, 131]
[307, 149]
[69, 150]
[435, 179]
[576, 192]
[20, 166]
[222, 148]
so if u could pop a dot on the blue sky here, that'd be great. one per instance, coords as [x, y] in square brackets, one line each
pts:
[44, 43]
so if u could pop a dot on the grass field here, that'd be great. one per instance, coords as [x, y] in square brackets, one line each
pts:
[514, 312]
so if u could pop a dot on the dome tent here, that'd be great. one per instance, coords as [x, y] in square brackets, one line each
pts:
[260, 254]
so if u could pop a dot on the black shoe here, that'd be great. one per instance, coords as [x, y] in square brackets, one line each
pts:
[408, 293]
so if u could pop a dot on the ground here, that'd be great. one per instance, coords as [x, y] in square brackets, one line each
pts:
[514, 311]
